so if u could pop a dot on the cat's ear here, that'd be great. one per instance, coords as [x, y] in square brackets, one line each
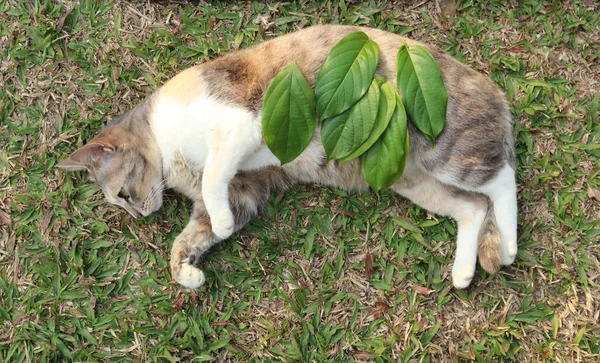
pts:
[89, 156]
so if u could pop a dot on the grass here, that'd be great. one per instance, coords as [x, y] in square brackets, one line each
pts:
[323, 275]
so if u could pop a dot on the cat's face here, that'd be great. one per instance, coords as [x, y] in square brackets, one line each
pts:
[126, 166]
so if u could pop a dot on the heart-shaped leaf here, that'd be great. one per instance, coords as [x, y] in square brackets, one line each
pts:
[387, 105]
[346, 74]
[341, 135]
[422, 89]
[382, 165]
[288, 114]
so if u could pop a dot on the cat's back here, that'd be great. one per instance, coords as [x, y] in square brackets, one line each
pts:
[256, 66]
[243, 76]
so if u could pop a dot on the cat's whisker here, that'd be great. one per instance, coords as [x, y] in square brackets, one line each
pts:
[155, 191]
[157, 187]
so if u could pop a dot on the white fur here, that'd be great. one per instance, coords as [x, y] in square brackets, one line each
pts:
[465, 261]
[219, 138]
[190, 128]
[502, 190]
[262, 158]
[190, 276]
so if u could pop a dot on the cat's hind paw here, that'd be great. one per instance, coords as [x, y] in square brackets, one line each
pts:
[189, 276]
[508, 252]
[462, 274]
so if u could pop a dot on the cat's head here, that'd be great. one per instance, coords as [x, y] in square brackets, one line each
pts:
[125, 162]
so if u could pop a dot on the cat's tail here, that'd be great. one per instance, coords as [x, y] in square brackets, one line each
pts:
[488, 251]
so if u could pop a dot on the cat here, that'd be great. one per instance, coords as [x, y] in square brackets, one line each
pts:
[200, 134]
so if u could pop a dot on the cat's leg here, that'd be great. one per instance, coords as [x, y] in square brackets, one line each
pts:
[502, 190]
[248, 193]
[197, 234]
[195, 239]
[468, 209]
[230, 145]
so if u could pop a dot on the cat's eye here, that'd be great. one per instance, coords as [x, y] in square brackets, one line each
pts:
[123, 194]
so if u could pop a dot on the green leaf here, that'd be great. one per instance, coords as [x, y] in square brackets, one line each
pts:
[382, 165]
[387, 105]
[422, 89]
[429, 334]
[288, 114]
[343, 134]
[346, 74]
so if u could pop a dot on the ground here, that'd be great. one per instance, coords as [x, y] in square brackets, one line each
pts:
[323, 275]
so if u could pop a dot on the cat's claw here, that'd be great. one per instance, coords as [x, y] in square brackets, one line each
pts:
[223, 224]
[194, 258]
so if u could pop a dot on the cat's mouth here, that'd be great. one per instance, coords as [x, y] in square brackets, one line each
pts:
[134, 212]
[124, 204]
[128, 207]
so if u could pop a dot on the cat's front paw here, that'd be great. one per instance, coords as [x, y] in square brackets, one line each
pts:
[189, 276]
[183, 268]
[222, 224]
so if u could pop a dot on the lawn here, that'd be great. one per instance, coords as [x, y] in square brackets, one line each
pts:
[322, 275]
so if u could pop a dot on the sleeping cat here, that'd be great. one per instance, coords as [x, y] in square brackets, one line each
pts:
[200, 134]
